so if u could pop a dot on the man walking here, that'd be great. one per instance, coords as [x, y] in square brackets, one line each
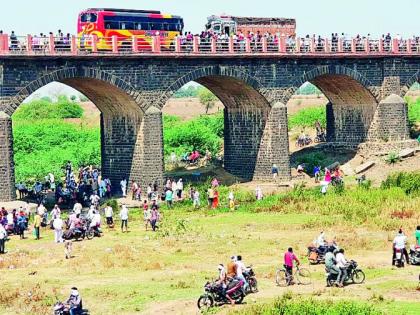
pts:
[124, 218]
[37, 225]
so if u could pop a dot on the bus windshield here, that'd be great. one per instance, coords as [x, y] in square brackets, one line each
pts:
[88, 17]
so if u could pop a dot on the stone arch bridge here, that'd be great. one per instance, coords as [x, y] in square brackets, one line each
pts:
[365, 104]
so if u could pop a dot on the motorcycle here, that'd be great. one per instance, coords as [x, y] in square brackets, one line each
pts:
[214, 294]
[320, 138]
[301, 142]
[78, 233]
[250, 277]
[399, 260]
[317, 255]
[62, 309]
[354, 275]
[414, 255]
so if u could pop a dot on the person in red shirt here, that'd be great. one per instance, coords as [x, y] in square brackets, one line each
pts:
[289, 257]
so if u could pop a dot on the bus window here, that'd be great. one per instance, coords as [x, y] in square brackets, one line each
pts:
[127, 26]
[165, 27]
[88, 17]
[137, 26]
[145, 26]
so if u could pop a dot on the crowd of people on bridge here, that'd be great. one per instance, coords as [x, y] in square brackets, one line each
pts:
[306, 43]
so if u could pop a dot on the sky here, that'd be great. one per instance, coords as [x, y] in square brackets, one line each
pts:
[313, 16]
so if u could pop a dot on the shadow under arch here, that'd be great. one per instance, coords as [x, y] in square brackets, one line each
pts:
[121, 116]
[352, 102]
[248, 144]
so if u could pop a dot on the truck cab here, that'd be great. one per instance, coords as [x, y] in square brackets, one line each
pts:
[221, 25]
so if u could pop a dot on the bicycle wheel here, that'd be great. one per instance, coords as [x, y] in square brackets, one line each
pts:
[281, 278]
[303, 276]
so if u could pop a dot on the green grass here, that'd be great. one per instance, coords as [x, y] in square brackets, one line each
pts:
[307, 117]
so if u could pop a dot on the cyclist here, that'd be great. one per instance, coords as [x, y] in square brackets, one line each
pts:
[289, 257]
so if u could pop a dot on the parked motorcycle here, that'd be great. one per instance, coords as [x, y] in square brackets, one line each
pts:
[354, 275]
[250, 277]
[301, 142]
[414, 255]
[214, 294]
[320, 138]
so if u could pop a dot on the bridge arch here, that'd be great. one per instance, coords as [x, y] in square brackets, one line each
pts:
[352, 102]
[255, 131]
[409, 83]
[122, 121]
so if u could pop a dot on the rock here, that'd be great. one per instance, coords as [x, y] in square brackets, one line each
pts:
[406, 153]
[364, 166]
[347, 169]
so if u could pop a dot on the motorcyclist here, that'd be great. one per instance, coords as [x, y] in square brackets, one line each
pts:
[330, 262]
[399, 242]
[320, 243]
[74, 302]
[240, 269]
[231, 267]
[222, 282]
[342, 265]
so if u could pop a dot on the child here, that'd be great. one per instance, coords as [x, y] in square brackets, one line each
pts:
[146, 214]
[68, 247]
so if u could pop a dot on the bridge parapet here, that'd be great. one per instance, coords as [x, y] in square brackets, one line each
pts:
[232, 46]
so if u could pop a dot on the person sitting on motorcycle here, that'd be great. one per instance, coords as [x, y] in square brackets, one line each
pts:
[231, 267]
[240, 269]
[289, 257]
[222, 282]
[330, 262]
[342, 265]
[320, 243]
[74, 302]
[399, 243]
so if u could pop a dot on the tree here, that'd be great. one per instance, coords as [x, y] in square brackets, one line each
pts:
[207, 98]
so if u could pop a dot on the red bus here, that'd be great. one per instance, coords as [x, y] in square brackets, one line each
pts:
[124, 23]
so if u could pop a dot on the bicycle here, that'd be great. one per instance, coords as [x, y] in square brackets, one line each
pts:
[302, 276]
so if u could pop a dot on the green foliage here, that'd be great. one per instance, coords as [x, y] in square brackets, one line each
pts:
[307, 117]
[308, 306]
[203, 133]
[207, 98]
[392, 158]
[414, 116]
[190, 91]
[44, 146]
[308, 89]
[409, 182]
[45, 109]
[314, 159]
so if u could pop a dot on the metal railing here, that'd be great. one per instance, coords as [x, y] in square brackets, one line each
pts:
[85, 45]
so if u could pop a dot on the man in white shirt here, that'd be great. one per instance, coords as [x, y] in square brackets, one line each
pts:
[77, 208]
[342, 265]
[58, 229]
[240, 268]
[3, 236]
[196, 198]
[123, 184]
[124, 218]
[399, 242]
[108, 215]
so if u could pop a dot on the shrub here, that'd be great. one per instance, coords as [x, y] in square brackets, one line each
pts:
[307, 117]
[392, 158]
[45, 109]
[409, 182]
[296, 306]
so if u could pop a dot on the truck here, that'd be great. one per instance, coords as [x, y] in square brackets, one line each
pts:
[226, 24]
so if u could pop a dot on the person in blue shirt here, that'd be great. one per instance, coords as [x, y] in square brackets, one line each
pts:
[317, 173]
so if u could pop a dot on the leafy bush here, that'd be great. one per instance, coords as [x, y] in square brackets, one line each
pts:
[409, 182]
[308, 116]
[414, 116]
[45, 109]
[44, 146]
[296, 306]
[203, 133]
[392, 158]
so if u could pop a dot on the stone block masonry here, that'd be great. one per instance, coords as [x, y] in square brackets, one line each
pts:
[130, 92]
